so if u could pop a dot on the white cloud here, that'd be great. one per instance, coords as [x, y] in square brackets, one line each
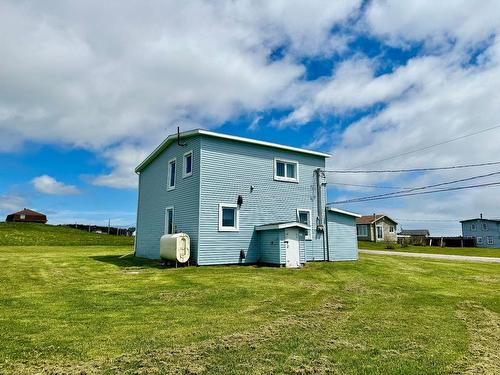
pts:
[97, 76]
[49, 185]
[11, 203]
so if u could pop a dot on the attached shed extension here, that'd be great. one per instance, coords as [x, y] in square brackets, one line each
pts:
[282, 243]
[341, 235]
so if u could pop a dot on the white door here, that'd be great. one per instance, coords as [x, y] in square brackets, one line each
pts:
[292, 248]
[380, 232]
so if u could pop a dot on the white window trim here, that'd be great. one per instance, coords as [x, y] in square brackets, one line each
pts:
[236, 228]
[166, 220]
[308, 236]
[170, 171]
[484, 227]
[473, 227]
[489, 240]
[376, 232]
[479, 240]
[184, 174]
[22, 217]
[286, 179]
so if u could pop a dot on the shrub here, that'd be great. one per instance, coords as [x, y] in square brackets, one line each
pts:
[390, 246]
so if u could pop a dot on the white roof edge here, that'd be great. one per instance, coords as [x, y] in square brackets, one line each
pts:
[189, 133]
[281, 226]
[344, 212]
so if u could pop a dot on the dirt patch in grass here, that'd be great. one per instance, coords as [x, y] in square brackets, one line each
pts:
[483, 326]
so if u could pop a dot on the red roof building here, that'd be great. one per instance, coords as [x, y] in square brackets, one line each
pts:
[27, 216]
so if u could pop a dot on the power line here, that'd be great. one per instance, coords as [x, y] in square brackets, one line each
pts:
[428, 147]
[370, 186]
[415, 169]
[356, 200]
[431, 186]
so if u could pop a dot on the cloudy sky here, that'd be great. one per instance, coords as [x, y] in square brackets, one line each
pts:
[88, 89]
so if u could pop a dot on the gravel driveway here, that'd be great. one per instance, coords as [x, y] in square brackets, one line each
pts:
[433, 256]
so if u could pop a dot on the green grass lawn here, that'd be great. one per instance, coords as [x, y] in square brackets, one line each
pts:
[28, 234]
[88, 310]
[473, 251]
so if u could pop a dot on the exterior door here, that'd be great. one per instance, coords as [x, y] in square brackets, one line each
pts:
[292, 248]
[380, 232]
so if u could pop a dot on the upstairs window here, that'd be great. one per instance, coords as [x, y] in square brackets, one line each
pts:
[171, 175]
[229, 217]
[304, 217]
[169, 220]
[485, 226]
[188, 164]
[286, 170]
[473, 227]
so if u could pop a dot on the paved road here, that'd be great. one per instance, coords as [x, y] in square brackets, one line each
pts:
[433, 256]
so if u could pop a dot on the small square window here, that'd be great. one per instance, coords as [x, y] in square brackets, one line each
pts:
[171, 174]
[22, 217]
[473, 227]
[489, 240]
[188, 164]
[229, 217]
[391, 229]
[286, 170]
[304, 217]
[479, 240]
[485, 226]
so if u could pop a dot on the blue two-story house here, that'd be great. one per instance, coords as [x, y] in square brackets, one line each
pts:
[240, 201]
[486, 232]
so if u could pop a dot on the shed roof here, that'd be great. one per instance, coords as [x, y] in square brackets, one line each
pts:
[337, 210]
[289, 224]
[370, 219]
[173, 138]
[414, 232]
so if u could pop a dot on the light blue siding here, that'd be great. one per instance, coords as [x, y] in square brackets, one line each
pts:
[342, 242]
[154, 198]
[270, 243]
[229, 169]
[491, 232]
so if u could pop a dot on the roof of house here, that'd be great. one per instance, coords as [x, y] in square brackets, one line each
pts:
[370, 219]
[332, 209]
[289, 224]
[480, 218]
[27, 211]
[414, 232]
[173, 138]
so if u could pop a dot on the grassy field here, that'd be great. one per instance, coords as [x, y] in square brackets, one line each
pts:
[29, 234]
[88, 310]
[473, 251]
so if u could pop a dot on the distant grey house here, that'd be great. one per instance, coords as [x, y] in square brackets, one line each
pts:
[486, 232]
[241, 201]
[376, 228]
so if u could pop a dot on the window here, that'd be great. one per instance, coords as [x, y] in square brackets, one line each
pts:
[286, 170]
[229, 217]
[169, 220]
[188, 164]
[391, 229]
[304, 217]
[479, 240]
[485, 226]
[473, 227]
[171, 175]
[22, 216]
[362, 230]
[489, 240]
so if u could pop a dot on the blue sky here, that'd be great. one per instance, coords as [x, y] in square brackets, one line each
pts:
[87, 92]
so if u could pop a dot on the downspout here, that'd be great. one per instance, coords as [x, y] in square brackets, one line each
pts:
[137, 217]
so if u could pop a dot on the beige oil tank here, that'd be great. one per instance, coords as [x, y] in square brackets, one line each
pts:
[175, 247]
